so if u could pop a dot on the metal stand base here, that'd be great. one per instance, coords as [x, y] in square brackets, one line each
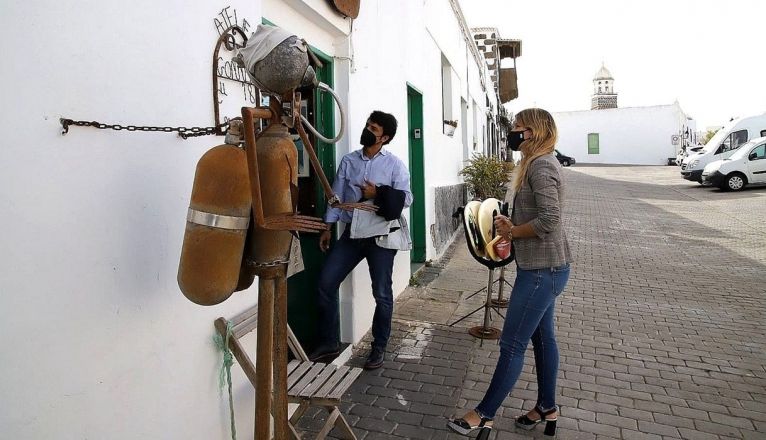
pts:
[486, 331]
[482, 332]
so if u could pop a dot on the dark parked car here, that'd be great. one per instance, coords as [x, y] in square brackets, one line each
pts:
[565, 160]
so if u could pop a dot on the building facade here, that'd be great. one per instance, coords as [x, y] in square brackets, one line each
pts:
[94, 219]
[606, 134]
[630, 135]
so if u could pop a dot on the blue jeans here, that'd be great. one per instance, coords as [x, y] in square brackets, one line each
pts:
[345, 254]
[529, 316]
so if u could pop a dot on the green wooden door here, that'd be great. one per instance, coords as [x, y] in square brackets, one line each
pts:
[302, 313]
[417, 179]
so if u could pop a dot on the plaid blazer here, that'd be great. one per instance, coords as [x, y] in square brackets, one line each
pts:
[540, 201]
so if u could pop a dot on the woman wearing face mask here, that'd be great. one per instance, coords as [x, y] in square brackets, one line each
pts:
[542, 259]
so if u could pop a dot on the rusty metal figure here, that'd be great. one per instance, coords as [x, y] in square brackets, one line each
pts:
[272, 166]
[228, 241]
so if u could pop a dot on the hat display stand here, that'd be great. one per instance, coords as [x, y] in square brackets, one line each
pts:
[476, 237]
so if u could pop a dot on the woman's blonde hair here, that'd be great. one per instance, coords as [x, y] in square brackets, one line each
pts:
[542, 141]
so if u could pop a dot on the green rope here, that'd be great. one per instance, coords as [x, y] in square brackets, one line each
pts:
[228, 361]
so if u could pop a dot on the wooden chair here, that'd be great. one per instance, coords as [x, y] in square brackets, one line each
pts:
[308, 383]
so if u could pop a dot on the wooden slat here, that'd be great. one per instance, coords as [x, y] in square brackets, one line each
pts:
[292, 366]
[245, 314]
[245, 322]
[319, 381]
[298, 373]
[306, 380]
[330, 384]
[347, 381]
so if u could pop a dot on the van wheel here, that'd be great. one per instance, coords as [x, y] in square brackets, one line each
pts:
[736, 181]
[565, 163]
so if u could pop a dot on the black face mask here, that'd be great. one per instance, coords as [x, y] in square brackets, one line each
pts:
[368, 138]
[515, 138]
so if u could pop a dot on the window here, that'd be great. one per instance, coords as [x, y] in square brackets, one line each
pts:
[763, 133]
[733, 141]
[446, 90]
[592, 143]
[759, 151]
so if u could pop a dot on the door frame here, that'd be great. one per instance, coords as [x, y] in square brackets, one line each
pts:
[417, 174]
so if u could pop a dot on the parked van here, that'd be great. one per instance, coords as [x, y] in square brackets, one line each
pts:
[723, 144]
[746, 166]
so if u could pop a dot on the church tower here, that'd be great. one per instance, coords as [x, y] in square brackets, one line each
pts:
[604, 95]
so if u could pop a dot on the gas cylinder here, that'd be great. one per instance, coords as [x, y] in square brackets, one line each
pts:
[278, 171]
[216, 226]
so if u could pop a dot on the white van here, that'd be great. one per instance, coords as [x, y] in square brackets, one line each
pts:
[723, 144]
[746, 166]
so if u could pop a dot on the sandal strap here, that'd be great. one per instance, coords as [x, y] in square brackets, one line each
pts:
[543, 414]
[462, 423]
[465, 425]
[483, 422]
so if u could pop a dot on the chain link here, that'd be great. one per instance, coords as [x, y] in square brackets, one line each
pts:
[253, 264]
[183, 132]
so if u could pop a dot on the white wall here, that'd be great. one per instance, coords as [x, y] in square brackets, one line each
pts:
[101, 343]
[98, 341]
[384, 63]
[631, 135]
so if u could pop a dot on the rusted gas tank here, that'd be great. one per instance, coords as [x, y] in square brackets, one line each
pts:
[278, 170]
[216, 226]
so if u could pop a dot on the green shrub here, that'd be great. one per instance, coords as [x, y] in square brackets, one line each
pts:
[486, 176]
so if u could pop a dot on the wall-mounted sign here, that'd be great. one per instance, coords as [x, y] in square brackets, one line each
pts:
[232, 87]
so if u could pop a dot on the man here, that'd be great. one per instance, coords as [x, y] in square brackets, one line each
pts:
[368, 174]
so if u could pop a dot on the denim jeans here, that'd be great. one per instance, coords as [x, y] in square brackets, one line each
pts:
[344, 255]
[529, 316]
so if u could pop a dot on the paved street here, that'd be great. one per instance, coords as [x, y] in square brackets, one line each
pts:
[661, 328]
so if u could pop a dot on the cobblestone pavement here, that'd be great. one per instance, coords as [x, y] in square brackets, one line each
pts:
[661, 328]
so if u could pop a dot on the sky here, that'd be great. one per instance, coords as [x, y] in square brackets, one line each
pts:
[709, 55]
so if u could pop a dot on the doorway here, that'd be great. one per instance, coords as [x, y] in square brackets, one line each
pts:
[318, 108]
[417, 175]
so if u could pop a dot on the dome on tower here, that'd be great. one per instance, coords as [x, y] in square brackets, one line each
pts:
[603, 73]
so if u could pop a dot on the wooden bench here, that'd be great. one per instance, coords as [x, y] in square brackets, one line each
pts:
[308, 383]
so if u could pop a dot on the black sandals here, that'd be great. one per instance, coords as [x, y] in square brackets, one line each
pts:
[525, 422]
[462, 427]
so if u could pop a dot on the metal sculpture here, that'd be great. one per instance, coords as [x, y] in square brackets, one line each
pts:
[263, 180]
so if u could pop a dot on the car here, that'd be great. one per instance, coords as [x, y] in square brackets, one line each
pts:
[746, 166]
[687, 151]
[723, 144]
[564, 160]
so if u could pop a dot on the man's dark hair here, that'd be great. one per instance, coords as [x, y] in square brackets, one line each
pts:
[385, 120]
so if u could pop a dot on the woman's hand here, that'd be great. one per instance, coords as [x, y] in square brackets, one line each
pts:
[503, 226]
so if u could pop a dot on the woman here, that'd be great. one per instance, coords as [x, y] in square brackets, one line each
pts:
[542, 259]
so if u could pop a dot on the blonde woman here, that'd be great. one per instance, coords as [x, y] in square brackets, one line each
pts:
[542, 259]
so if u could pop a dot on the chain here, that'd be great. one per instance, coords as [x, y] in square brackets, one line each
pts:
[274, 263]
[183, 132]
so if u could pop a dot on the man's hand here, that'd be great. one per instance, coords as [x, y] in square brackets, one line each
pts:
[324, 240]
[503, 226]
[369, 190]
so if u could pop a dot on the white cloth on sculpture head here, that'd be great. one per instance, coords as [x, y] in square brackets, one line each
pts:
[259, 45]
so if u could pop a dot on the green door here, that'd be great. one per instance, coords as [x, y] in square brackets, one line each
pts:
[301, 287]
[417, 180]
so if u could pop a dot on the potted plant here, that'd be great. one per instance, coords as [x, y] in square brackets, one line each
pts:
[449, 127]
[486, 176]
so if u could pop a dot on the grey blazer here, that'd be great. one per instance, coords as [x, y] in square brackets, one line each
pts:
[540, 201]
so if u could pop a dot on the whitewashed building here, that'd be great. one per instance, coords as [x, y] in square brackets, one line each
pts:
[99, 341]
[608, 134]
